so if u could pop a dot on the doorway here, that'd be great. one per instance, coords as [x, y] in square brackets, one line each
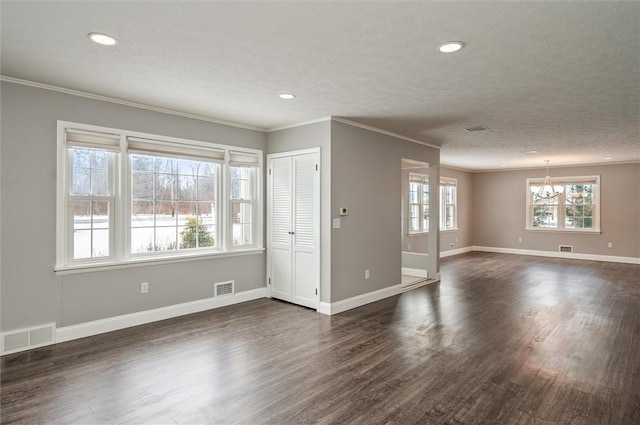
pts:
[419, 223]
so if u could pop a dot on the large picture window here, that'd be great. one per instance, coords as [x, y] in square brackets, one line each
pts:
[125, 197]
[173, 203]
[575, 208]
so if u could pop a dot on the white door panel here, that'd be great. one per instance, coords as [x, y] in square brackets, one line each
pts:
[294, 201]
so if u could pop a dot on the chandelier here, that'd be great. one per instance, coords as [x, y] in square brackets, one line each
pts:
[547, 190]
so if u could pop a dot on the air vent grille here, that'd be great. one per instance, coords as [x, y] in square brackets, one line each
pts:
[224, 288]
[477, 128]
[565, 248]
[26, 339]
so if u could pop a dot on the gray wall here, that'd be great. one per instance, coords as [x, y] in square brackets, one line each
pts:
[463, 237]
[32, 293]
[305, 137]
[499, 211]
[366, 178]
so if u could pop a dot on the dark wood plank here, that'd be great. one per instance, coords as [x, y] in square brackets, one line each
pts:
[503, 339]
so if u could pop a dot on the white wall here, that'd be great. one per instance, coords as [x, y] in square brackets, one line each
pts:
[31, 292]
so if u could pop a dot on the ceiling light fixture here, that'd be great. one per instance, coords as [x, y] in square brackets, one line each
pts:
[546, 190]
[450, 46]
[530, 152]
[287, 96]
[102, 39]
[608, 158]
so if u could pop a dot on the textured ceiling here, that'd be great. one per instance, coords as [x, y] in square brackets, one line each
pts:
[562, 78]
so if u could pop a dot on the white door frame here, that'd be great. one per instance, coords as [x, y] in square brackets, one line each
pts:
[317, 228]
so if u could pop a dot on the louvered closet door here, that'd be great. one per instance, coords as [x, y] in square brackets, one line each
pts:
[281, 230]
[294, 193]
[305, 219]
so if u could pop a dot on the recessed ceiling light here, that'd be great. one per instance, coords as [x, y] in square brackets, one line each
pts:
[530, 152]
[608, 158]
[102, 39]
[503, 165]
[287, 96]
[450, 46]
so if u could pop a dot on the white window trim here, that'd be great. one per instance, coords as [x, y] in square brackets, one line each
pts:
[448, 181]
[422, 179]
[255, 203]
[120, 245]
[595, 179]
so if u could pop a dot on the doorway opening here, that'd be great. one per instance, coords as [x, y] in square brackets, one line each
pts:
[419, 223]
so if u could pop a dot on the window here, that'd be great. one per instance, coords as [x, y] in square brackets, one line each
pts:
[126, 197]
[576, 208]
[242, 172]
[173, 203]
[418, 203]
[448, 203]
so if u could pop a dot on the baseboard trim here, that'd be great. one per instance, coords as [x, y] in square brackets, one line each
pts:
[457, 251]
[359, 300]
[68, 333]
[414, 272]
[554, 254]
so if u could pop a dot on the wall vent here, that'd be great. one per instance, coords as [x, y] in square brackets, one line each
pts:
[26, 339]
[565, 248]
[224, 288]
[476, 128]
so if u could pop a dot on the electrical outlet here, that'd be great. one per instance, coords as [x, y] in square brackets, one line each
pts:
[610, 244]
[144, 287]
[366, 274]
[520, 239]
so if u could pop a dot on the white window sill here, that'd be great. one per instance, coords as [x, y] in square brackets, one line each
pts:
[453, 229]
[417, 233]
[140, 262]
[587, 232]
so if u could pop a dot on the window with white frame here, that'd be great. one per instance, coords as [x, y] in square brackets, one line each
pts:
[128, 196]
[242, 173]
[576, 208]
[448, 203]
[418, 203]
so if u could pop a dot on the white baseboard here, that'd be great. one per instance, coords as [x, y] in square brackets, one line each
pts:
[68, 333]
[554, 254]
[457, 251]
[414, 272]
[359, 300]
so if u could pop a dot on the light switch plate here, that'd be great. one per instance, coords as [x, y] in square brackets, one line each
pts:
[336, 223]
[344, 211]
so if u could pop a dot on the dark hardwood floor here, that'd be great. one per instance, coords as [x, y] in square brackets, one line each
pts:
[503, 339]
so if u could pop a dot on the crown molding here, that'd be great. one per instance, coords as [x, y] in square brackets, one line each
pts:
[300, 124]
[381, 131]
[127, 103]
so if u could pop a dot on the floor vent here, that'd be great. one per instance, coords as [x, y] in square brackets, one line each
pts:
[565, 248]
[224, 288]
[26, 339]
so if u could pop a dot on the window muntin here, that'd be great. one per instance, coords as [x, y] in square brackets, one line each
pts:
[418, 203]
[243, 205]
[90, 203]
[448, 203]
[576, 208]
[124, 197]
[173, 203]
